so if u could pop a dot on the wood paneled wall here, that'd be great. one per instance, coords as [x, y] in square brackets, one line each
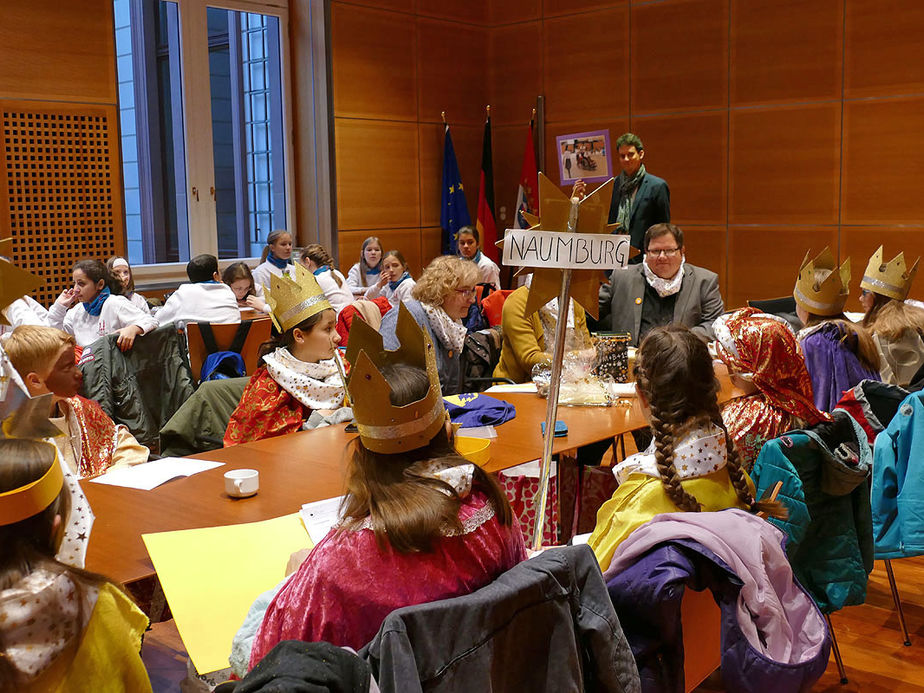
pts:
[60, 175]
[780, 125]
[396, 65]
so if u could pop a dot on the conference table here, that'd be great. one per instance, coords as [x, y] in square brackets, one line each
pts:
[304, 467]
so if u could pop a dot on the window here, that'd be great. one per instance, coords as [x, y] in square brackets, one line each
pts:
[202, 116]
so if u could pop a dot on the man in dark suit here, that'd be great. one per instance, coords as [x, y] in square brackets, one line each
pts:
[640, 200]
[662, 289]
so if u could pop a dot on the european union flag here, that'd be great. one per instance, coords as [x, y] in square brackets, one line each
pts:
[454, 214]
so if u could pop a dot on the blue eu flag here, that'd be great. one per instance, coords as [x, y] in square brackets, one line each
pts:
[454, 214]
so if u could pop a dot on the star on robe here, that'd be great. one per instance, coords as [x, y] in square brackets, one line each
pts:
[14, 282]
[554, 210]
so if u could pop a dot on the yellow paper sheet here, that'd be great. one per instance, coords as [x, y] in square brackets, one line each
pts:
[211, 576]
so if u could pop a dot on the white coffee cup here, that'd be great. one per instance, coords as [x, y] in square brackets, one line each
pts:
[242, 483]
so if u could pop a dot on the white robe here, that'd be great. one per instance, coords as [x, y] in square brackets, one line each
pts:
[265, 270]
[201, 302]
[117, 312]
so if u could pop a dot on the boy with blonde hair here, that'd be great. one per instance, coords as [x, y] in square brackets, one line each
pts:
[92, 443]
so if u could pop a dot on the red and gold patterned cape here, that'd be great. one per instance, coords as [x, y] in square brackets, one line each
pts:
[97, 436]
[265, 411]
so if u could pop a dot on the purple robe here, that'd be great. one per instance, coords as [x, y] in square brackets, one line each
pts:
[832, 364]
[346, 586]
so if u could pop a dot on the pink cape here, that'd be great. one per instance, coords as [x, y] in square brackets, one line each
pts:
[347, 586]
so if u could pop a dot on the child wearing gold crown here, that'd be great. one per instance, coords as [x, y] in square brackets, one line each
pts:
[300, 373]
[61, 628]
[838, 353]
[418, 522]
[897, 327]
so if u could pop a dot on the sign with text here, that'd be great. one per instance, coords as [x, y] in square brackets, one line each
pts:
[579, 251]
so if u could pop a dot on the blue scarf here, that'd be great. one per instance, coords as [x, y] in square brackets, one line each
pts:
[272, 259]
[477, 257]
[374, 270]
[95, 307]
[321, 270]
[394, 285]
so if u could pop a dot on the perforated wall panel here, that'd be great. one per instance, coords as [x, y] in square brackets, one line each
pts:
[60, 188]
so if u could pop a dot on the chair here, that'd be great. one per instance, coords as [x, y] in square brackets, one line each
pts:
[547, 624]
[259, 332]
[784, 307]
[493, 306]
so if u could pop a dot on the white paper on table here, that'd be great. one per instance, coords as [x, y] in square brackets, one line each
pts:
[154, 473]
[621, 389]
[478, 432]
[320, 516]
[508, 387]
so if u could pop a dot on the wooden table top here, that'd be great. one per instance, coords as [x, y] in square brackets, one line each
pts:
[301, 468]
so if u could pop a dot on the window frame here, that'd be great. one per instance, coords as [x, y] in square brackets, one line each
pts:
[201, 207]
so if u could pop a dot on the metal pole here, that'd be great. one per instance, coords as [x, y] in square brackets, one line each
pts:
[551, 411]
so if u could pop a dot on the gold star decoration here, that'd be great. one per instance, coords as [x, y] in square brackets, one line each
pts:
[14, 282]
[554, 210]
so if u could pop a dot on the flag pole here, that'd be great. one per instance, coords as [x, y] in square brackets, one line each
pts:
[443, 116]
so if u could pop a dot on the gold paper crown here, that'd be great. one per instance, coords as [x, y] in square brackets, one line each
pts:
[30, 420]
[293, 302]
[890, 278]
[828, 296]
[384, 427]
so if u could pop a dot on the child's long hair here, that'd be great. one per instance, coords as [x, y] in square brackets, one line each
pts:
[674, 372]
[363, 265]
[318, 255]
[129, 288]
[236, 271]
[31, 543]
[271, 238]
[893, 319]
[96, 270]
[409, 511]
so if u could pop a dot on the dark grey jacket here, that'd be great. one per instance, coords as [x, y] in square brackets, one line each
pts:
[652, 205]
[142, 387]
[546, 624]
[698, 303]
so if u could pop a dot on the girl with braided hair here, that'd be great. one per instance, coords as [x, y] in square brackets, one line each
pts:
[691, 464]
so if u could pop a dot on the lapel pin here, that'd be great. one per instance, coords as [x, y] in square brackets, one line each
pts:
[638, 301]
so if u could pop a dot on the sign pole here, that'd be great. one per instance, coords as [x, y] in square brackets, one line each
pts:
[551, 411]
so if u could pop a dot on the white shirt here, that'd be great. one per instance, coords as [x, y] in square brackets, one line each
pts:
[140, 301]
[265, 270]
[402, 293]
[355, 283]
[24, 311]
[117, 312]
[339, 296]
[202, 302]
[490, 272]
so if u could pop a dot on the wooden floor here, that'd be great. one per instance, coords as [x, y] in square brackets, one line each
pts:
[869, 637]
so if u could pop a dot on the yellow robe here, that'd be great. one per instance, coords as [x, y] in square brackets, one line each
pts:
[107, 658]
[640, 497]
[523, 339]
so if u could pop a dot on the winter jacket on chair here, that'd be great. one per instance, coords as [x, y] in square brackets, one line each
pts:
[898, 483]
[830, 548]
[141, 387]
[546, 624]
[774, 638]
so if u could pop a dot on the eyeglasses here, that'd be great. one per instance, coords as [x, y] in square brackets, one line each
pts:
[466, 293]
[664, 252]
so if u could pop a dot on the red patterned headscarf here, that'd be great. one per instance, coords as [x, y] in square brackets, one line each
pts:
[763, 349]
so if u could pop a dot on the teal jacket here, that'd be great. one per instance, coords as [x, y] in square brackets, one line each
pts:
[898, 483]
[830, 530]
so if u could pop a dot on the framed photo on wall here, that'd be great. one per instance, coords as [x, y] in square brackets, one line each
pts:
[584, 155]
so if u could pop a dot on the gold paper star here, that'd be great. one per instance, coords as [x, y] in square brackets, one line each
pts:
[14, 282]
[554, 209]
